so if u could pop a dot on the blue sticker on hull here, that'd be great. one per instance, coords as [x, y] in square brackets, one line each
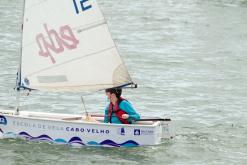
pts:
[3, 120]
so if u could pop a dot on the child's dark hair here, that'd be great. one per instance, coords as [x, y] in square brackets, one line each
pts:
[116, 91]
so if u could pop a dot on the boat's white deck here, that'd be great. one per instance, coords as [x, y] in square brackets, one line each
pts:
[66, 117]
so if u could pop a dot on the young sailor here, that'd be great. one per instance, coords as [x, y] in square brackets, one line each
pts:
[119, 110]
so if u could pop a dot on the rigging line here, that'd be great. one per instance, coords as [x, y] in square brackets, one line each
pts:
[75, 59]
[86, 112]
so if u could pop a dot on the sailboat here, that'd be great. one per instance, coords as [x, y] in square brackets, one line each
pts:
[66, 46]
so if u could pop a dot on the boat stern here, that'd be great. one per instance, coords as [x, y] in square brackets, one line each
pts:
[164, 131]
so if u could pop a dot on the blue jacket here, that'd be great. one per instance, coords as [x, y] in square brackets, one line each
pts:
[125, 106]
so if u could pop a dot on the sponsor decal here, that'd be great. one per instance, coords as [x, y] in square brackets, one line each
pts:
[139, 132]
[56, 41]
[88, 130]
[121, 131]
[147, 132]
[60, 128]
[3, 120]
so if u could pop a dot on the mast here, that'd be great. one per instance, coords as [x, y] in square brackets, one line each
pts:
[18, 82]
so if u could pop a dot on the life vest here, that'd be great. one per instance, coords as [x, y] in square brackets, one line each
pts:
[118, 112]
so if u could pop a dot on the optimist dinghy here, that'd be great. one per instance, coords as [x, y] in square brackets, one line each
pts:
[66, 46]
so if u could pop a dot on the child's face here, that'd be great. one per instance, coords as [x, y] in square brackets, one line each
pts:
[110, 95]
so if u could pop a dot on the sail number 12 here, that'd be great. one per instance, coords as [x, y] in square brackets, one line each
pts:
[84, 5]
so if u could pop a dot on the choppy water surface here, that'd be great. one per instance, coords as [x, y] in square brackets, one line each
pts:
[189, 59]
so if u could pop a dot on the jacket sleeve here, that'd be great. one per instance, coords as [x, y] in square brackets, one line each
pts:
[106, 114]
[128, 108]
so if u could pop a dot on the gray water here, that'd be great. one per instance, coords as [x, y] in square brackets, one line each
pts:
[188, 58]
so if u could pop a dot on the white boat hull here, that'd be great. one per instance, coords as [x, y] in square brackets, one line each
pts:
[72, 130]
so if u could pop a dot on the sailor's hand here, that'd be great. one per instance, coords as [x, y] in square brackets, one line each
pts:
[125, 116]
[89, 118]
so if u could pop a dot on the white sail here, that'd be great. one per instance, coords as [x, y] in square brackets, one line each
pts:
[67, 46]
